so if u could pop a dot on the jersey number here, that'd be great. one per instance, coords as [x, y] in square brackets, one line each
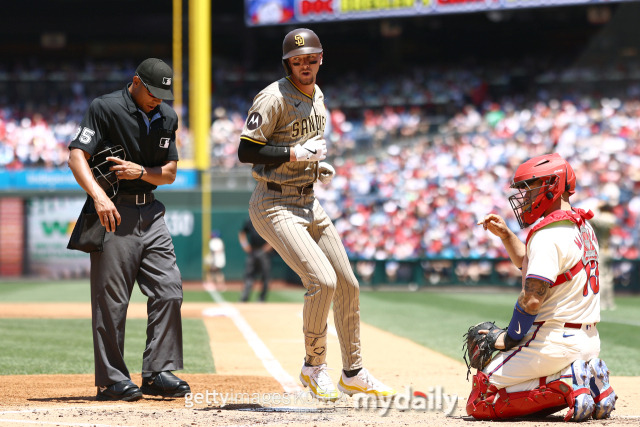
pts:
[86, 135]
[593, 278]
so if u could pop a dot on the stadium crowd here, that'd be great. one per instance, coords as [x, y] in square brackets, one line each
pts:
[419, 158]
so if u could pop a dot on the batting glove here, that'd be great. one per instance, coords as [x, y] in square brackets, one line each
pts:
[313, 150]
[327, 172]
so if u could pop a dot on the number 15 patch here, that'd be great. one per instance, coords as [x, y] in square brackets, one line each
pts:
[164, 142]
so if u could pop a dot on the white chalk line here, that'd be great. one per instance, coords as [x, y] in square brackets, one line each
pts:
[260, 349]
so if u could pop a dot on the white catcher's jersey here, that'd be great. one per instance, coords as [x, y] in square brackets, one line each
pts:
[283, 115]
[555, 249]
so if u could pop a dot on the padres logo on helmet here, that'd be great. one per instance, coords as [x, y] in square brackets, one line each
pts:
[301, 41]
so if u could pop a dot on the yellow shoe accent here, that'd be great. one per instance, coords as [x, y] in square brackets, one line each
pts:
[319, 383]
[366, 383]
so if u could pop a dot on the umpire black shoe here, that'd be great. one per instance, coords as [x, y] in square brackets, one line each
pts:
[164, 384]
[123, 390]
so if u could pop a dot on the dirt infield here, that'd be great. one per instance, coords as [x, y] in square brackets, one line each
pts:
[246, 340]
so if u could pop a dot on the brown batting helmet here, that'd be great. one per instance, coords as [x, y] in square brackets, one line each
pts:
[300, 41]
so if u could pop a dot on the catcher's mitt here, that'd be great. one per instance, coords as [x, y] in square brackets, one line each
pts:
[479, 348]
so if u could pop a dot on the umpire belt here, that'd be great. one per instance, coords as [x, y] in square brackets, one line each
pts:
[305, 190]
[134, 199]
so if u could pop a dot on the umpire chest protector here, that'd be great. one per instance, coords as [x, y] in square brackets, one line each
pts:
[147, 139]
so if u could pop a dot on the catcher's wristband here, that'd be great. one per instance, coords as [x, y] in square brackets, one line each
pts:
[520, 323]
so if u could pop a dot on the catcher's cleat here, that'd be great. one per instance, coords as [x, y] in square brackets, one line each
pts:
[164, 384]
[601, 391]
[123, 390]
[366, 383]
[584, 405]
[319, 382]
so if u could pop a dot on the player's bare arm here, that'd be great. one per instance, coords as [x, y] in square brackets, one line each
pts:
[535, 292]
[156, 175]
[497, 226]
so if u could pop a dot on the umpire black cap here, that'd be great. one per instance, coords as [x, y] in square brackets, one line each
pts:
[157, 77]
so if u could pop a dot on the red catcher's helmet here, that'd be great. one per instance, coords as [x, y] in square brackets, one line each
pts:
[530, 203]
[301, 41]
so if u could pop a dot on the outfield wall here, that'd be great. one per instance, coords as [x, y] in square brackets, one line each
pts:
[35, 227]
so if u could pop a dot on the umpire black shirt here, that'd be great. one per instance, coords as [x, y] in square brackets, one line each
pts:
[114, 119]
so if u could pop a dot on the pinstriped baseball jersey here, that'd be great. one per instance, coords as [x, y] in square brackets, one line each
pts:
[283, 115]
[295, 224]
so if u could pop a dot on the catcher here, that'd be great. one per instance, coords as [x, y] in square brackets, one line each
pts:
[548, 355]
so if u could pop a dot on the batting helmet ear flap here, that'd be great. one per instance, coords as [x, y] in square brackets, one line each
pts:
[287, 67]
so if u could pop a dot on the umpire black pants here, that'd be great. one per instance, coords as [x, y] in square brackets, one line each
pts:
[140, 250]
[258, 264]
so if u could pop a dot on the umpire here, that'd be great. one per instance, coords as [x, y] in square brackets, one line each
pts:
[258, 262]
[137, 245]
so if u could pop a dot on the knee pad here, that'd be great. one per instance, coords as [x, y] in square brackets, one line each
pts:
[486, 402]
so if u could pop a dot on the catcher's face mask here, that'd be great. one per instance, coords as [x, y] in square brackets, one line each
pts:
[533, 198]
[99, 164]
[540, 181]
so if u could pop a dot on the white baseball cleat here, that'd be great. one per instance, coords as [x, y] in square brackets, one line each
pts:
[602, 392]
[584, 404]
[319, 382]
[366, 383]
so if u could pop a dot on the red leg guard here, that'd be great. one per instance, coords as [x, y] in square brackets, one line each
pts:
[486, 402]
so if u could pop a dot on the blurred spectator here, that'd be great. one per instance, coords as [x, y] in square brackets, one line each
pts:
[419, 154]
[215, 261]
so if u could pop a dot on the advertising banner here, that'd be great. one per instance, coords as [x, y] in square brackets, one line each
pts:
[62, 179]
[275, 12]
[50, 221]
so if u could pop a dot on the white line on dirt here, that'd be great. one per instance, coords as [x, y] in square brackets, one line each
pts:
[260, 349]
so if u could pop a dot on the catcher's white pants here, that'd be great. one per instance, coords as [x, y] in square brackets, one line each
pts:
[546, 350]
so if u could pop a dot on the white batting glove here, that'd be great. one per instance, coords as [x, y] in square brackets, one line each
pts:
[326, 172]
[313, 150]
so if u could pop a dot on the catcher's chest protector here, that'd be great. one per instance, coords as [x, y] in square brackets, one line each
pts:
[486, 402]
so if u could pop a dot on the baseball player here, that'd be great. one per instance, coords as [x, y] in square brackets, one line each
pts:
[283, 138]
[137, 246]
[549, 358]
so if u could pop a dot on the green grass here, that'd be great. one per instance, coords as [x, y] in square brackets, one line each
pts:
[288, 295]
[435, 319]
[71, 291]
[439, 319]
[64, 346]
